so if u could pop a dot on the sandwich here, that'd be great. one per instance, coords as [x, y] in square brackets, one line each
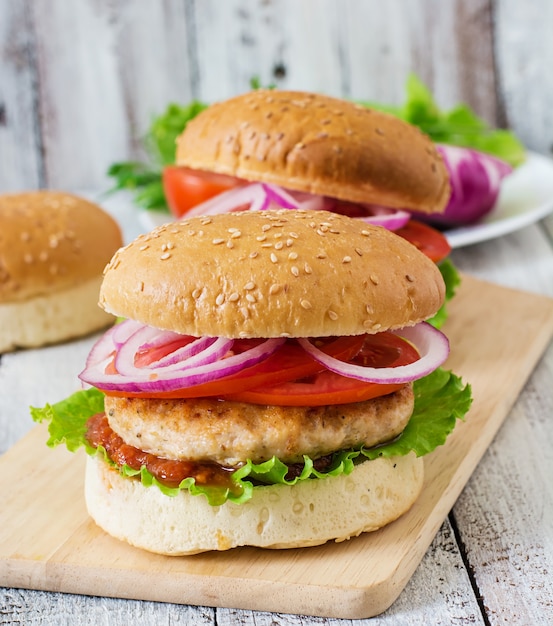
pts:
[53, 249]
[295, 149]
[272, 383]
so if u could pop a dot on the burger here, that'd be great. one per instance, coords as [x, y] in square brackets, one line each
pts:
[295, 149]
[273, 383]
[53, 248]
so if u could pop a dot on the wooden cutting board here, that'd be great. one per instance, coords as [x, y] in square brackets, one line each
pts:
[48, 542]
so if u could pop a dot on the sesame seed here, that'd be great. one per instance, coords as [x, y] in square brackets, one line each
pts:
[307, 268]
[144, 247]
[369, 308]
[379, 131]
[293, 234]
[165, 255]
[305, 304]
[220, 299]
[333, 315]
[249, 286]
[358, 251]
[274, 257]
[253, 254]
[322, 135]
[274, 289]
[261, 237]
[196, 293]
[250, 297]
[346, 259]
[366, 233]
[218, 241]
[230, 244]
[266, 227]
[409, 278]
[373, 279]
[299, 146]
[267, 245]
[236, 234]
[289, 242]
[279, 245]
[295, 271]
[233, 297]
[293, 256]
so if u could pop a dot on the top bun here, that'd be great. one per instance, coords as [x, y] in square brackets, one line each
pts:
[318, 144]
[272, 273]
[51, 241]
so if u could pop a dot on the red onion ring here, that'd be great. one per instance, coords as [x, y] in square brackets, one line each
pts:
[165, 379]
[431, 344]
[262, 196]
[391, 219]
[255, 196]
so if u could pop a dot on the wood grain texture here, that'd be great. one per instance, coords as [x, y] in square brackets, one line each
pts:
[354, 579]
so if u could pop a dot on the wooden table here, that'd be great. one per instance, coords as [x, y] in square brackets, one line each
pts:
[491, 561]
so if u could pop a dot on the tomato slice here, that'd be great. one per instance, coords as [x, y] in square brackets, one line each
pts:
[325, 388]
[185, 188]
[427, 239]
[289, 362]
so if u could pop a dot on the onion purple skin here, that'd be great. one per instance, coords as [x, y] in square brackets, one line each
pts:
[475, 179]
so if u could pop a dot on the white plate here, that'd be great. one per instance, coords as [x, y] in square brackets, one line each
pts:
[526, 196]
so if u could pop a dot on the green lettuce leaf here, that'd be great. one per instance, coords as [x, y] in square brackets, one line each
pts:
[452, 280]
[440, 399]
[144, 178]
[459, 126]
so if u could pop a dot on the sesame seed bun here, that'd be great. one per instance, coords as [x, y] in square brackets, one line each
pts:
[53, 248]
[270, 274]
[318, 144]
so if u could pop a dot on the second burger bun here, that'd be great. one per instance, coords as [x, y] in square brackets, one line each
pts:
[53, 248]
[309, 513]
[318, 144]
[285, 273]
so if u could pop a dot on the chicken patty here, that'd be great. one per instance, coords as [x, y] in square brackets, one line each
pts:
[227, 432]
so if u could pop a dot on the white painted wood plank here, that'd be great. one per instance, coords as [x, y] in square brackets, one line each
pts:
[442, 42]
[524, 53]
[20, 150]
[106, 69]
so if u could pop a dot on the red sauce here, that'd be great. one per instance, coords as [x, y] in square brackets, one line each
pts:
[166, 471]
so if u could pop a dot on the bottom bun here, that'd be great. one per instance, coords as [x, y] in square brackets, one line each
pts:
[309, 513]
[53, 317]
